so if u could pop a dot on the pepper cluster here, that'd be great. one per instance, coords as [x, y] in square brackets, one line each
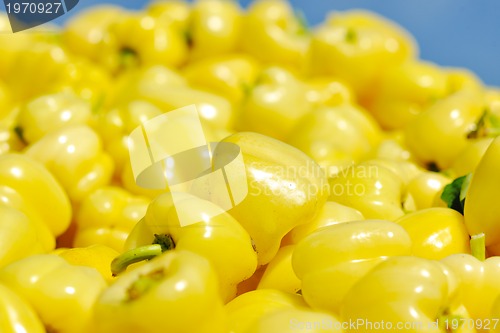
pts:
[373, 177]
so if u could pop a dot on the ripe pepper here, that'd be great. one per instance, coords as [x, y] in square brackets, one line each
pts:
[211, 232]
[436, 232]
[481, 212]
[247, 309]
[275, 104]
[106, 216]
[425, 186]
[29, 187]
[451, 119]
[143, 40]
[214, 28]
[275, 34]
[97, 256]
[328, 91]
[358, 47]
[331, 213]
[176, 13]
[279, 274]
[230, 76]
[18, 235]
[405, 91]
[51, 112]
[16, 315]
[174, 292]
[356, 135]
[469, 157]
[116, 124]
[62, 295]
[88, 34]
[478, 284]
[374, 190]
[293, 320]
[75, 156]
[285, 188]
[406, 294]
[330, 260]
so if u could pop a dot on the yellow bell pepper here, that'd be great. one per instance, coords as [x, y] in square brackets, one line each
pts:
[331, 213]
[436, 232]
[75, 156]
[275, 104]
[481, 211]
[88, 34]
[214, 28]
[406, 90]
[330, 260]
[374, 190]
[478, 284]
[358, 47]
[425, 186]
[279, 274]
[49, 113]
[29, 187]
[176, 13]
[95, 256]
[336, 136]
[62, 295]
[274, 34]
[285, 188]
[106, 216]
[143, 40]
[229, 75]
[293, 320]
[328, 91]
[18, 235]
[469, 157]
[16, 315]
[174, 292]
[247, 309]
[406, 294]
[211, 233]
[437, 135]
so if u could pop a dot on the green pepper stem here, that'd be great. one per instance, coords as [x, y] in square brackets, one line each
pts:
[478, 246]
[120, 263]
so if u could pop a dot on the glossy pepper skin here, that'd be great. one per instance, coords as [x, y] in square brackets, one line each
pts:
[388, 293]
[274, 34]
[285, 188]
[248, 308]
[478, 283]
[336, 136]
[405, 91]
[51, 112]
[481, 211]
[29, 187]
[279, 274]
[275, 104]
[16, 315]
[228, 75]
[374, 190]
[106, 216]
[62, 295]
[143, 40]
[450, 120]
[96, 256]
[18, 235]
[219, 237]
[330, 260]
[436, 232]
[75, 156]
[174, 292]
[214, 28]
[358, 47]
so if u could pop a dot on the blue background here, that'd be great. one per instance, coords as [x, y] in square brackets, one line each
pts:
[459, 33]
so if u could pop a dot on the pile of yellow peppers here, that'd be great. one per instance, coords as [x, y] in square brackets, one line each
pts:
[373, 177]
